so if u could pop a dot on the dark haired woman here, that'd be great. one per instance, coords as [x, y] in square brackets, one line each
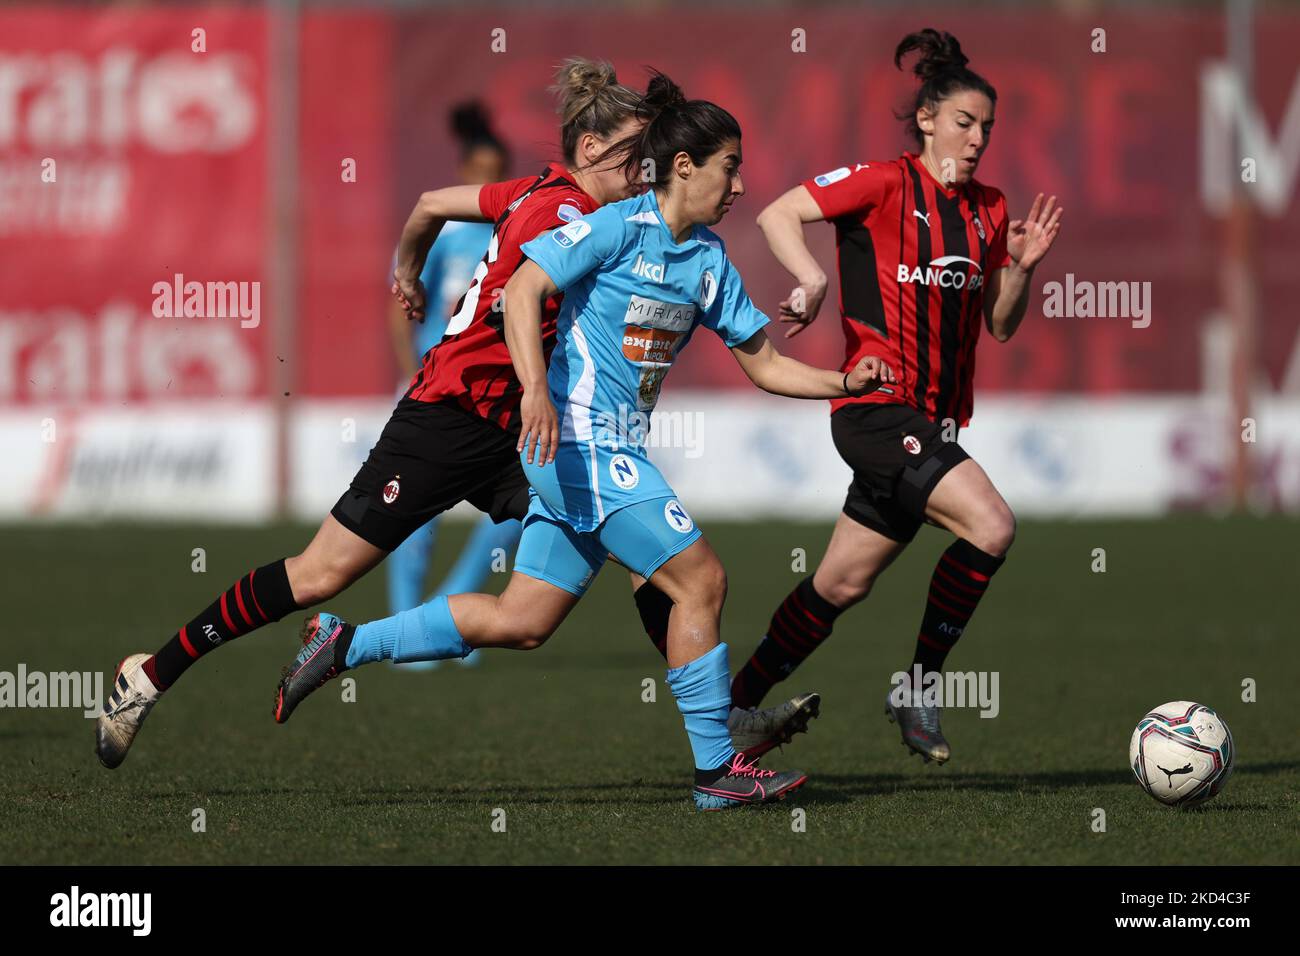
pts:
[447, 273]
[925, 255]
[638, 277]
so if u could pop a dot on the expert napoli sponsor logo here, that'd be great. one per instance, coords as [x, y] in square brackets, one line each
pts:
[947, 272]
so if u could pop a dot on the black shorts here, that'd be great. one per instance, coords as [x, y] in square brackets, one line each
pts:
[430, 457]
[897, 456]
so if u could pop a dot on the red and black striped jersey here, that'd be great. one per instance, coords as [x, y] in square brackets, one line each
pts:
[914, 257]
[471, 364]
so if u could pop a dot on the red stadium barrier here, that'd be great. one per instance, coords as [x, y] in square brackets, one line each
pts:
[162, 169]
[157, 157]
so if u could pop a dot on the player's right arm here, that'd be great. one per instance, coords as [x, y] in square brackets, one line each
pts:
[555, 261]
[782, 223]
[524, 294]
[841, 192]
[433, 210]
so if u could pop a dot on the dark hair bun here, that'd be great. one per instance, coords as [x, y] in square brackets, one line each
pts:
[940, 53]
[661, 94]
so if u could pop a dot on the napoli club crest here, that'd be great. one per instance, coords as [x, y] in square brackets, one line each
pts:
[391, 491]
[911, 445]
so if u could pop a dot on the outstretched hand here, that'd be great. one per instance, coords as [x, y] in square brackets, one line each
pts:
[1028, 240]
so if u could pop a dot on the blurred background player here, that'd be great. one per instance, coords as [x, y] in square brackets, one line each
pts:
[925, 254]
[448, 270]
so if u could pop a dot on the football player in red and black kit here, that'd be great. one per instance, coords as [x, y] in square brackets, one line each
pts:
[926, 254]
[452, 436]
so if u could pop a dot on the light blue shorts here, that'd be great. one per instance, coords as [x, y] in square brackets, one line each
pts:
[642, 536]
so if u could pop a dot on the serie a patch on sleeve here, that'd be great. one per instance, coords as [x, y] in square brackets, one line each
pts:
[572, 233]
[834, 176]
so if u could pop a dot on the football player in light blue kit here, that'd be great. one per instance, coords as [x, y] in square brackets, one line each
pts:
[448, 269]
[638, 277]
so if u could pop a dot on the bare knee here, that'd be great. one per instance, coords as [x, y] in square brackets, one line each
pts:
[706, 590]
[529, 636]
[995, 532]
[520, 627]
[314, 579]
[845, 591]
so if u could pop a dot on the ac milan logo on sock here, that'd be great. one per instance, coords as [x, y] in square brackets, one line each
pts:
[391, 491]
[911, 444]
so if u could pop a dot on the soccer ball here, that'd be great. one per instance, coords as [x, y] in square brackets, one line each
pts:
[1181, 753]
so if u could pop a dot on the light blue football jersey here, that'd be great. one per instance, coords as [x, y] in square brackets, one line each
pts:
[448, 269]
[632, 299]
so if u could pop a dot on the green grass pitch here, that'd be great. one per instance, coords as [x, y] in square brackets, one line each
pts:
[587, 772]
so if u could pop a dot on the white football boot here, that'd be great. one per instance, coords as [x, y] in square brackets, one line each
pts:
[127, 706]
[756, 730]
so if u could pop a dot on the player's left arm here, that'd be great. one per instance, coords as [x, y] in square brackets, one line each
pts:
[1006, 298]
[732, 315]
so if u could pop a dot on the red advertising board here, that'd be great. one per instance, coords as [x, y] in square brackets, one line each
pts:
[132, 163]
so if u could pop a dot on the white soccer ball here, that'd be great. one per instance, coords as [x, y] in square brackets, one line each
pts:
[1181, 753]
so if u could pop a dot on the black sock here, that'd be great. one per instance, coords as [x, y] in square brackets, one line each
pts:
[654, 607]
[260, 597]
[798, 627]
[960, 579]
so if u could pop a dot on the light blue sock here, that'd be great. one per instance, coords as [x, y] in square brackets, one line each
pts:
[703, 692]
[408, 566]
[424, 633]
[475, 562]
